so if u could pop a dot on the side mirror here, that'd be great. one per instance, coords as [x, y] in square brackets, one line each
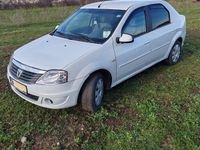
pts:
[57, 27]
[125, 38]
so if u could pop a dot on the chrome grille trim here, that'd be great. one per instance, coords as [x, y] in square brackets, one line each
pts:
[28, 68]
[29, 75]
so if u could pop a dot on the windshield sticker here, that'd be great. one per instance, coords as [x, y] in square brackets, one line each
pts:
[119, 16]
[106, 34]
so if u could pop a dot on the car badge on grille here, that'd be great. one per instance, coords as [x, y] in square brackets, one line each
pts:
[19, 73]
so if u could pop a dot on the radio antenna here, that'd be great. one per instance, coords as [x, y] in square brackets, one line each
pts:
[101, 4]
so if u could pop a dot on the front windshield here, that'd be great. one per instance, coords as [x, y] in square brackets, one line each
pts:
[90, 25]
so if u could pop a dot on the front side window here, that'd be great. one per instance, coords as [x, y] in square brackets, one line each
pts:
[159, 15]
[90, 25]
[136, 24]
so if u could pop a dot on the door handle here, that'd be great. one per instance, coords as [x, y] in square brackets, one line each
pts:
[147, 43]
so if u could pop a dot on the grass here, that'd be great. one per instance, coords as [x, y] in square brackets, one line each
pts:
[157, 109]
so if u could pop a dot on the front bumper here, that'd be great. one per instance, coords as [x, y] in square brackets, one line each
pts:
[61, 96]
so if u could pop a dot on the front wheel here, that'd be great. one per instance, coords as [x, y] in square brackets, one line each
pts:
[175, 54]
[93, 93]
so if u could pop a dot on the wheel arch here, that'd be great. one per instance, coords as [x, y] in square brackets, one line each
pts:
[107, 78]
[178, 37]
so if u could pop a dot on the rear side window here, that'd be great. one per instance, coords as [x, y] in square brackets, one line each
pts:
[159, 15]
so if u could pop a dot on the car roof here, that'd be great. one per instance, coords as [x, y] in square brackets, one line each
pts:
[120, 4]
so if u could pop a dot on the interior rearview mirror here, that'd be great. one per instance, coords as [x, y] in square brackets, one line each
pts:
[125, 38]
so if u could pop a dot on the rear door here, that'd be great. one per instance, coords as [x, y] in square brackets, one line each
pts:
[161, 30]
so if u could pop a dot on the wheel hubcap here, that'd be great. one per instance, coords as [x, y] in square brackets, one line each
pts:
[99, 91]
[176, 53]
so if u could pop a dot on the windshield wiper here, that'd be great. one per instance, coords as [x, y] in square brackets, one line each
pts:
[76, 35]
[82, 36]
[60, 33]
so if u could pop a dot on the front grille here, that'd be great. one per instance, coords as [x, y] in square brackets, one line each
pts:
[25, 76]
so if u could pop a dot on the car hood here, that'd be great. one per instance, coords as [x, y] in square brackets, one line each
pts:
[51, 52]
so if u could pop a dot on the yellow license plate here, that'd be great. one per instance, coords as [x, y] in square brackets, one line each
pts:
[20, 87]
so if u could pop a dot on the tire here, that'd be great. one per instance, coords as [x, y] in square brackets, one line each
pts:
[175, 54]
[93, 93]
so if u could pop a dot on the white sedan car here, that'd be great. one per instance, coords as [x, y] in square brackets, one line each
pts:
[99, 46]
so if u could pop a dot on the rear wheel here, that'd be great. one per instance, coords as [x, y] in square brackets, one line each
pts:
[175, 54]
[92, 94]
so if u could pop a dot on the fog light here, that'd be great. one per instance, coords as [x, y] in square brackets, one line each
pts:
[48, 101]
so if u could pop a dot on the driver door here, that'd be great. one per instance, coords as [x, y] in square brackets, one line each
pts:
[133, 57]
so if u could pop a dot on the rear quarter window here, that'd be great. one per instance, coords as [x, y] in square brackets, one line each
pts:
[159, 15]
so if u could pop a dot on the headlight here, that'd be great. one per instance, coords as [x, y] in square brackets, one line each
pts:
[53, 77]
